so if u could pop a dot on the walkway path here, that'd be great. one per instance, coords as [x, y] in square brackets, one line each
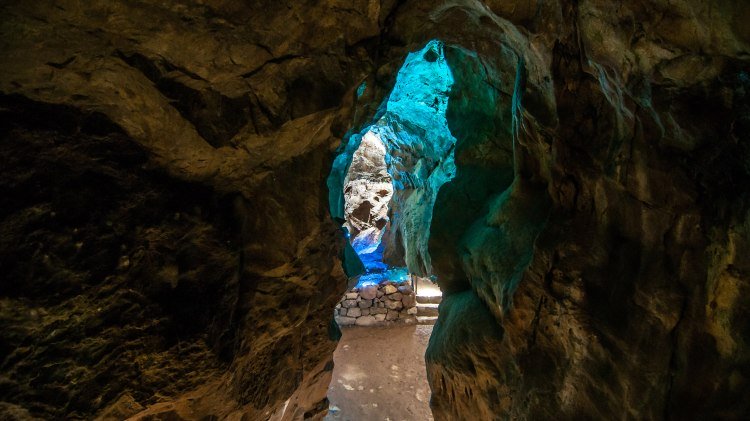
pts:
[379, 375]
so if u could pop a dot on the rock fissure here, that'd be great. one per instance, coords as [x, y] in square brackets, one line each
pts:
[274, 60]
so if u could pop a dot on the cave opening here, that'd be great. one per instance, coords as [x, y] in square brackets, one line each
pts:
[386, 177]
[383, 187]
[368, 190]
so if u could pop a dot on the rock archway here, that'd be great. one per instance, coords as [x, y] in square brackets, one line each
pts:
[395, 167]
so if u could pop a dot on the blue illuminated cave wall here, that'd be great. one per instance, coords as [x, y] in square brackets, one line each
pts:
[412, 125]
[368, 188]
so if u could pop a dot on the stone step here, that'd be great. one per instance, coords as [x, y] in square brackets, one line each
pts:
[429, 299]
[427, 309]
[426, 320]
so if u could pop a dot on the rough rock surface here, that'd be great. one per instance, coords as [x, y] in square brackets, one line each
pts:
[372, 305]
[598, 267]
[163, 197]
[367, 191]
[163, 186]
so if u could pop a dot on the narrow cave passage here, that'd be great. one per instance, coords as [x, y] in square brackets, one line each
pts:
[368, 190]
[383, 188]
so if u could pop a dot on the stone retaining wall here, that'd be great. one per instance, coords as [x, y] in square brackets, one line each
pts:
[374, 305]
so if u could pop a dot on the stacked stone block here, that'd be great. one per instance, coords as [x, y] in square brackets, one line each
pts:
[375, 305]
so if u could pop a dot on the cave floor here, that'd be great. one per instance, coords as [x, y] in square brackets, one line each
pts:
[379, 374]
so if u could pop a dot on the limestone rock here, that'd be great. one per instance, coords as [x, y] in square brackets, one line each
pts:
[409, 300]
[347, 321]
[396, 296]
[405, 289]
[142, 153]
[391, 315]
[124, 407]
[351, 295]
[367, 192]
[365, 304]
[534, 263]
[389, 289]
[380, 317]
[369, 292]
[366, 321]
[394, 305]
[354, 312]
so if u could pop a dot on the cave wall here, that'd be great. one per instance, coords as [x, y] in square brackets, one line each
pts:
[368, 189]
[164, 173]
[411, 126]
[605, 262]
[167, 248]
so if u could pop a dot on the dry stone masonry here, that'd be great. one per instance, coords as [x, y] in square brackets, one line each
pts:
[377, 305]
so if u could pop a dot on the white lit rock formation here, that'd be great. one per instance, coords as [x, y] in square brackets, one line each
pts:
[367, 191]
